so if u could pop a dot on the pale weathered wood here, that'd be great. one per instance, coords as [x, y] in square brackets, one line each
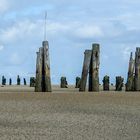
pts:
[46, 68]
[130, 78]
[37, 73]
[137, 69]
[43, 80]
[86, 64]
[38, 86]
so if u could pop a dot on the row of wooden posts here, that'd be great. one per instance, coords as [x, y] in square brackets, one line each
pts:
[42, 82]
[90, 70]
[133, 80]
[64, 83]
[106, 83]
[32, 81]
[10, 81]
[91, 66]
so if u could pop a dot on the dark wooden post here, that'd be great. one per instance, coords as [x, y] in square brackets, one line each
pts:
[119, 83]
[106, 83]
[18, 80]
[64, 83]
[77, 84]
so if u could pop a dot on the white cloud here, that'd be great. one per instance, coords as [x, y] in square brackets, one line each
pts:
[88, 31]
[4, 5]
[28, 30]
[19, 31]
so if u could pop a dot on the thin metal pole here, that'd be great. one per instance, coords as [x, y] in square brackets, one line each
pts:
[45, 28]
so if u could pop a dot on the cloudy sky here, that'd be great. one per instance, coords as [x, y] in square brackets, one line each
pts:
[72, 27]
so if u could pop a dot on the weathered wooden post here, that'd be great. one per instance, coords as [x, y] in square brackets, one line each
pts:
[106, 83]
[46, 68]
[94, 68]
[77, 84]
[43, 80]
[10, 81]
[38, 85]
[130, 78]
[18, 80]
[25, 83]
[64, 83]
[119, 83]
[32, 81]
[137, 69]
[3, 80]
[86, 64]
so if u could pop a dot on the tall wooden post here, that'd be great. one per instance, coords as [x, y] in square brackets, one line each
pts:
[94, 68]
[130, 78]
[43, 80]
[46, 68]
[86, 64]
[137, 69]
[38, 85]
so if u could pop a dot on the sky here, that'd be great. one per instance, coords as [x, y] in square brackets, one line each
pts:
[72, 27]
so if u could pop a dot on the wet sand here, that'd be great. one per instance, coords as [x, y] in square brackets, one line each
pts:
[69, 115]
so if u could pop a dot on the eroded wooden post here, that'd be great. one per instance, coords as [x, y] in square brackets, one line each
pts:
[32, 81]
[130, 78]
[10, 81]
[94, 68]
[64, 83]
[46, 68]
[18, 80]
[43, 80]
[77, 84]
[137, 69]
[119, 83]
[3, 80]
[106, 83]
[38, 85]
[86, 64]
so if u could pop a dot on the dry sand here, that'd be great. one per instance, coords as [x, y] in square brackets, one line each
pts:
[69, 115]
